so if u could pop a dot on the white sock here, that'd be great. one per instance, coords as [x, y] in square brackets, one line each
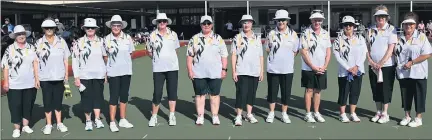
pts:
[271, 113]
[154, 115]
[171, 113]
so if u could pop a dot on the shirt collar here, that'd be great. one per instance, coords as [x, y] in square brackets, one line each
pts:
[284, 32]
[383, 28]
[168, 32]
[121, 36]
[202, 35]
[415, 34]
[322, 31]
[87, 39]
[244, 34]
[26, 45]
[56, 39]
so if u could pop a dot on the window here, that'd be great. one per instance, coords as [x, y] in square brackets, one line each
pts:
[185, 20]
[293, 19]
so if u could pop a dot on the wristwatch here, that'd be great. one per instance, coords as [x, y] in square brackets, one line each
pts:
[225, 69]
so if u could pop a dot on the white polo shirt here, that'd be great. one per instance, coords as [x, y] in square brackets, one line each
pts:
[317, 45]
[281, 47]
[51, 58]
[248, 51]
[379, 41]
[350, 53]
[87, 58]
[408, 50]
[163, 49]
[119, 52]
[207, 53]
[20, 65]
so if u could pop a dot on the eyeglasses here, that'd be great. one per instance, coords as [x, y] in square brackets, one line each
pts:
[162, 21]
[348, 24]
[206, 23]
[381, 16]
[20, 34]
[116, 26]
[281, 20]
[90, 28]
[49, 28]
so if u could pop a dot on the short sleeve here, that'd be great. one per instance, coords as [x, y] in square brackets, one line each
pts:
[131, 45]
[103, 48]
[393, 36]
[66, 50]
[303, 42]
[190, 48]
[296, 42]
[177, 42]
[234, 44]
[260, 46]
[5, 59]
[329, 44]
[268, 40]
[426, 49]
[222, 47]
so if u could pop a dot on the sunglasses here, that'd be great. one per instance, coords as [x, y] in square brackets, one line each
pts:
[49, 28]
[162, 21]
[281, 20]
[20, 34]
[116, 26]
[90, 28]
[206, 23]
[346, 25]
[381, 16]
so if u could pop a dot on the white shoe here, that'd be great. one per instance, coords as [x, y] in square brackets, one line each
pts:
[172, 120]
[405, 121]
[16, 133]
[113, 127]
[354, 117]
[27, 129]
[384, 119]
[318, 117]
[376, 117]
[343, 118]
[99, 124]
[250, 118]
[153, 121]
[238, 121]
[62, 128]
[200, 120]
[285, 118]
[125, 123]
[89, 125]
[270, 117]
[416, 123]
[309, 118]
[47, 129]
[215, 120]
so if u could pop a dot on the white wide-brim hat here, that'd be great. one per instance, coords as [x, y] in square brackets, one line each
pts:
[89, 22]
[161, 16]
[116, 18]
[281, 14]
[48, 23]
[348, 19]
[246, 18]
[317, 16]
[19, 29]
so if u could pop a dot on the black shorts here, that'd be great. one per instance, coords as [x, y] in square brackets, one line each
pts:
[312, 80]
[413, 89]
[119, 88]
[92, 97]
[52, 94]
[274, 81]
[349, 90]
[203, 86]
[382, 92]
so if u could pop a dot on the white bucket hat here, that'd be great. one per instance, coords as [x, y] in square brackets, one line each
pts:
[19, 29]
[161, 16]
[116, 18]
[246, 17]
[281, 14]
[48, 23]
[89, 22]
[381, 12]
[317, 14]
[206, 17]
[348, 19]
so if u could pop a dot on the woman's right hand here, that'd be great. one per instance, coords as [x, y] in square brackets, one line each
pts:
[77, 82]
[234, 74]
[191, 75]
[6, 86]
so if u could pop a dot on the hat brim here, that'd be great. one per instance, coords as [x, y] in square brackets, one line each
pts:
[409, 21]
[241, 21]
[281, 18]
[206, 20]
[13, 35]
[154, 21]
[124, 24]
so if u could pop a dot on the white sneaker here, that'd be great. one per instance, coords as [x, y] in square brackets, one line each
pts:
[62, 128]
[27, 129]
[405, 121]
[343, 118]
[200, 120]
[215, 120]
[384, 119]
[89, 125]
[125, 123]
[416, 123]
[47, 129]
[238, 121]
[270, 117]
[153, 121]
[309, 118]
[16, 133]
[318, 117]
[354, 117]
[113, 127]
[376, 117]
[172, 120]
[99, 124]
[285, 118]
[250, 118]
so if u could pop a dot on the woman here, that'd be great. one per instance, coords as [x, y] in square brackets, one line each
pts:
[282, 47]
[53, 54]
[350, 52]
[315, 50]
[119, 47]
[412, 52]
[20, 72]
[247, 66]
[90, 71]
[381, 39]
[207, 66]
[162, 49]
